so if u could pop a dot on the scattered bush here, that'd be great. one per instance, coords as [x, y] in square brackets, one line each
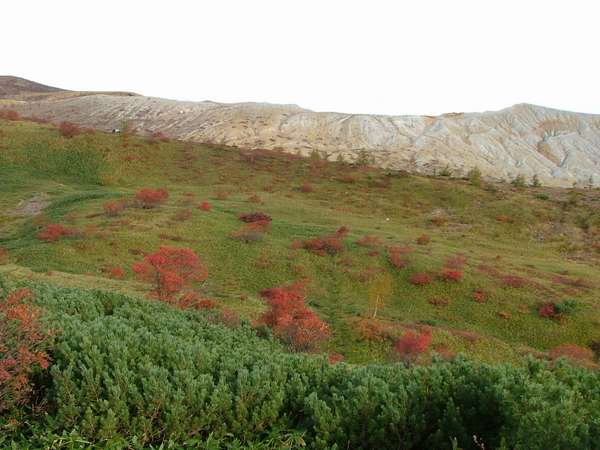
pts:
[449, 274]
[252, 231]
[22, 347]
[115, 272]
[68, 129]
[9, 114]
[369, 241]
[423, 239]
[205, 206]
[307, 187]
[480, 296]
[572, 352]
[411, 344]
[52, 232]
[114, 208]
[291, 320]
[554, 310]
[170, 270]
[327, 245]
[254, 217]
[395, 257]
[150, 198]
[420, 279]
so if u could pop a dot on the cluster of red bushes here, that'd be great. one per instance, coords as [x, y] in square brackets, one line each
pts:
[291, 320]
[22, 342]
[170, 270]
[9, 114]
[150, 198]
[68, 129]
[327, 245]
[52, 232]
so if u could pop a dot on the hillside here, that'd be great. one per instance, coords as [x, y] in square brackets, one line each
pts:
[12, 87]
[495, 272]
[560, 147]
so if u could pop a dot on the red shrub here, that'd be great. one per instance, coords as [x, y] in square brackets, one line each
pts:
[205, 206]
[395, 258]
[254, 199]
[420, 279]
[254, 217]
[411, 344]
[369, 241]
[513, 281]
[53, 232]
[170, 270]
[451, 274]
[291, 320]
[307, 187]
[327, 245]
[116, 273]
[22, 342]
[456, 262]
[548, 311]
[194, 300]
[68, 129]
[423, 239]
[572, 352]
[504, 314]
[479, 296]
[114, 208]
[349, 179]
[438, 301]
[149, 198]
[252, 231]
[296, 245]
[9, 114]
[335, 358]
[503, 219]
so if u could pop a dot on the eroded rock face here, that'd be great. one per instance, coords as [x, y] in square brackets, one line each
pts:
[560, 147]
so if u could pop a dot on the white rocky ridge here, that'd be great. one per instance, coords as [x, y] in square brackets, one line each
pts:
[560, 147]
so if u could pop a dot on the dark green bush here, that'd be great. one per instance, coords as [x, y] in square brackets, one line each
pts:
[127, 369]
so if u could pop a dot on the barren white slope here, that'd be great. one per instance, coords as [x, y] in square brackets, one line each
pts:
[560, 147]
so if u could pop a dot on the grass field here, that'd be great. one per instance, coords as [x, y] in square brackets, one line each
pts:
[519, 247]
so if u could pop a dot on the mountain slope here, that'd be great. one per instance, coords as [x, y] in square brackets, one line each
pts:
[560, 147]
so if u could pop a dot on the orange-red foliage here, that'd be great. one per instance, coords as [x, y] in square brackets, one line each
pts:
[572, 352]
[335, 358]
[369, 241]
[21, 347]
[548, 311]
[327, 245]
[9, 114]
[205, 206]
[53, 232]
[480, 296]
[114, 208]
[451, 274]
[170, 270]
[68, 129]
[254, 217]
[420, 279]
[149, 198]
[513, 281]
[411, 344]
[307, 187]
[291, 320]
[116, 272]
[423, 239]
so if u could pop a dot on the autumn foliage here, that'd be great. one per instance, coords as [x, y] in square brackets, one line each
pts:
[52, 232]
[420, 279]
[9, 114]
[254, 217]
[114, 208]
[205, 206]
[449, 274]
[21, 347]
[68, 129]
[572, 352]
[291, 320]
[327, 245]
[411, 344]
[150, 198]
[170, 270]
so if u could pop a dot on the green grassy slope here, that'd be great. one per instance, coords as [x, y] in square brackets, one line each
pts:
[545, 236]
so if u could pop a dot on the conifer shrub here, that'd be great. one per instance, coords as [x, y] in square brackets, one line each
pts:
[129, 370]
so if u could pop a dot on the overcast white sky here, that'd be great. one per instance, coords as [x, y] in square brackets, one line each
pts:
[371, 56]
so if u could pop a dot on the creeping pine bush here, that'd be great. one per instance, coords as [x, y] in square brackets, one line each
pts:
[147, 372]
